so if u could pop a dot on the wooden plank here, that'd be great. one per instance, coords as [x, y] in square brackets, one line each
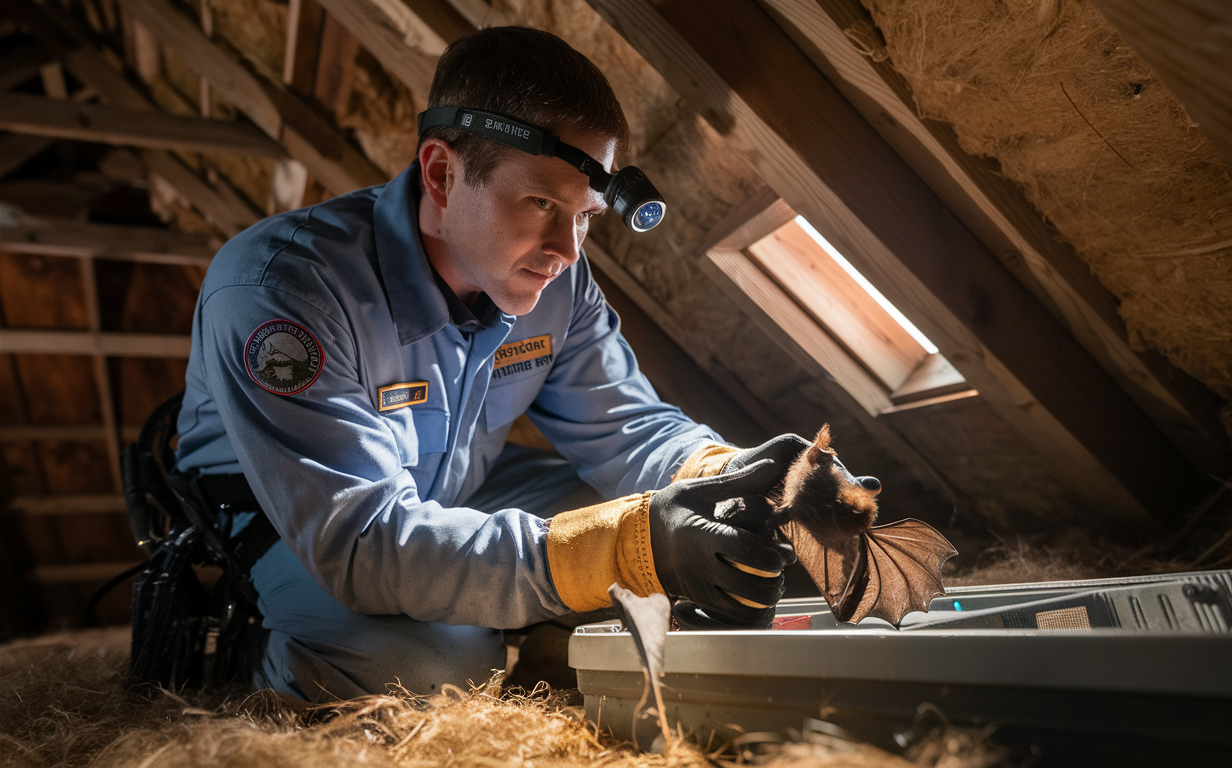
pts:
[67, 573]
[603, 263]
[52, 76]
[299, 63]
[79, 239]
[747, 78]
[12, 433]
[933, 377]
[21, 63]
[279, 112]
[335, 74]
[102, 377]
[481, 14]
[220, 206]
[997, 212]
[88, 504]
[1186, 43]
[836, 301]
[122, 126]
[443, 18]
[794, 330]
[17, 149]
[406, 46]
[109, 344]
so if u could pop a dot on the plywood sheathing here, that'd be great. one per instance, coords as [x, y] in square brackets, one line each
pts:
[1049, 90]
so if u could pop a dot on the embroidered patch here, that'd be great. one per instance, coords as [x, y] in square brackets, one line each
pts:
[518, 356]
[283, 357]
[401, 395]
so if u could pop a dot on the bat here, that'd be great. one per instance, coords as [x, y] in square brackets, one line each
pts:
[827, 514]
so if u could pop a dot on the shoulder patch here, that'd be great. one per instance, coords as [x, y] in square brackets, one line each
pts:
[401, 395]
[283, 357]
[525, 355]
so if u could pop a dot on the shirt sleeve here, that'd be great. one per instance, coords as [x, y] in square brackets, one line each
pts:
[326, 468]
[600, 411]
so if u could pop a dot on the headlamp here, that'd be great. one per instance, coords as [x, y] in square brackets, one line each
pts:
[627, 192]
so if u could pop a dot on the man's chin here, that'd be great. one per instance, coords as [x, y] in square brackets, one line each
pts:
[518, 304]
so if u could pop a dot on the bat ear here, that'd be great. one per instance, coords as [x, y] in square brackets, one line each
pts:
[822, 441]
[819, 452]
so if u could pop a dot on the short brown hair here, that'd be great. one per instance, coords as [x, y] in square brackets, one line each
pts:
[529, 75]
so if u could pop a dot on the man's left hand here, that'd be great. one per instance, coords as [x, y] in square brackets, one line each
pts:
[782, 450]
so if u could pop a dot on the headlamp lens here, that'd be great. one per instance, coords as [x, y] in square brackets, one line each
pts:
[647, 216]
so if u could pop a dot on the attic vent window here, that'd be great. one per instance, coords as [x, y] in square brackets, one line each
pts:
[818, 300]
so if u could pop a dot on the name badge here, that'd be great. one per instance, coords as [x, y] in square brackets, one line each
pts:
[401, 395]
[519, 356]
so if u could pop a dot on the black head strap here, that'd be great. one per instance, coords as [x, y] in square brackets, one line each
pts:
[516, 134]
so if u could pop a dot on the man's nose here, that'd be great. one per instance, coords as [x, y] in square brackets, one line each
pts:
[564, 240]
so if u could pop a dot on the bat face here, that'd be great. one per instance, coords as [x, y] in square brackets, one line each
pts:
[819, 489]
[885, 571]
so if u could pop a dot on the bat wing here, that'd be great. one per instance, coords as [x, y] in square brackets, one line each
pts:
[837, 570]
[903, 565]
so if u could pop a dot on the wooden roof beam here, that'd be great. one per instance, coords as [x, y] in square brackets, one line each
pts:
[103, 344]
[277, 111]
[999, 214]
[61, 237]
[59, 32]
[122, 126]
[1186, 43]
[750, 81]
[406, 37]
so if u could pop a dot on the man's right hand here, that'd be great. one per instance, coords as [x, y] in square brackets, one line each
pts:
[733, 574]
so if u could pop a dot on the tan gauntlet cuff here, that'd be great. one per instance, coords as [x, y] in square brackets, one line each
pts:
[591, 547]
[709, 460]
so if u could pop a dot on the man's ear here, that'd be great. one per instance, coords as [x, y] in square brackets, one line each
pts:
[439, 165]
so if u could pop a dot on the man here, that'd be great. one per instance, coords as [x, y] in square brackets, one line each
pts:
[360, 363]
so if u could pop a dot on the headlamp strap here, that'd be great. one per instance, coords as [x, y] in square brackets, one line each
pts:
[518, 135]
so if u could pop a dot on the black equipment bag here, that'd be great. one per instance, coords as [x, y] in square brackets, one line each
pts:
[188, 632]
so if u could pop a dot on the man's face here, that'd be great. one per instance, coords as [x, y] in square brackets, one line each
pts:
[517, 232]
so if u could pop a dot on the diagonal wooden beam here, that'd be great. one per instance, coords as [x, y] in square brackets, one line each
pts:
[60, 237]
[86, 504]
[750, 81]
[58, 32]
[283, 116]
[106, 344]
[1188, 43]
[22, 63]
[16, 149]
[395, 35]
[999, 214]
[122, 126]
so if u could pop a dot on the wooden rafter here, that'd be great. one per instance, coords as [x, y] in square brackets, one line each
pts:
[88, 504]
[56, 118]
[1186, 43]
[277, 111]
[770, 102]
[10, 433]
[22, 63]
[58, 32]
[997, 212]
[57, 237]
[105, 344]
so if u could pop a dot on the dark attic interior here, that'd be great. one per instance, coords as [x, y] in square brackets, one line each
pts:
[989, 242]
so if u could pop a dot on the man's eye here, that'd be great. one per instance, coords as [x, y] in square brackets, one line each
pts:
[543, 204]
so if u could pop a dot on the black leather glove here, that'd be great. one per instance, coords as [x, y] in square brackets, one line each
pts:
[782, 450]
[693, 552]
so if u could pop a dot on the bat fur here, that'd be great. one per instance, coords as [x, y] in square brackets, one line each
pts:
[862, 570]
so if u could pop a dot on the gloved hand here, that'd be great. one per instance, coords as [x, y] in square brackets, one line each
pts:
[782, 450]
[733, 574]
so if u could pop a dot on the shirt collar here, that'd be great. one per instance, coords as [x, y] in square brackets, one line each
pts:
[420, 302]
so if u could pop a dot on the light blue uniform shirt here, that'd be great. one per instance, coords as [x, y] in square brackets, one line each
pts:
[304, 318]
